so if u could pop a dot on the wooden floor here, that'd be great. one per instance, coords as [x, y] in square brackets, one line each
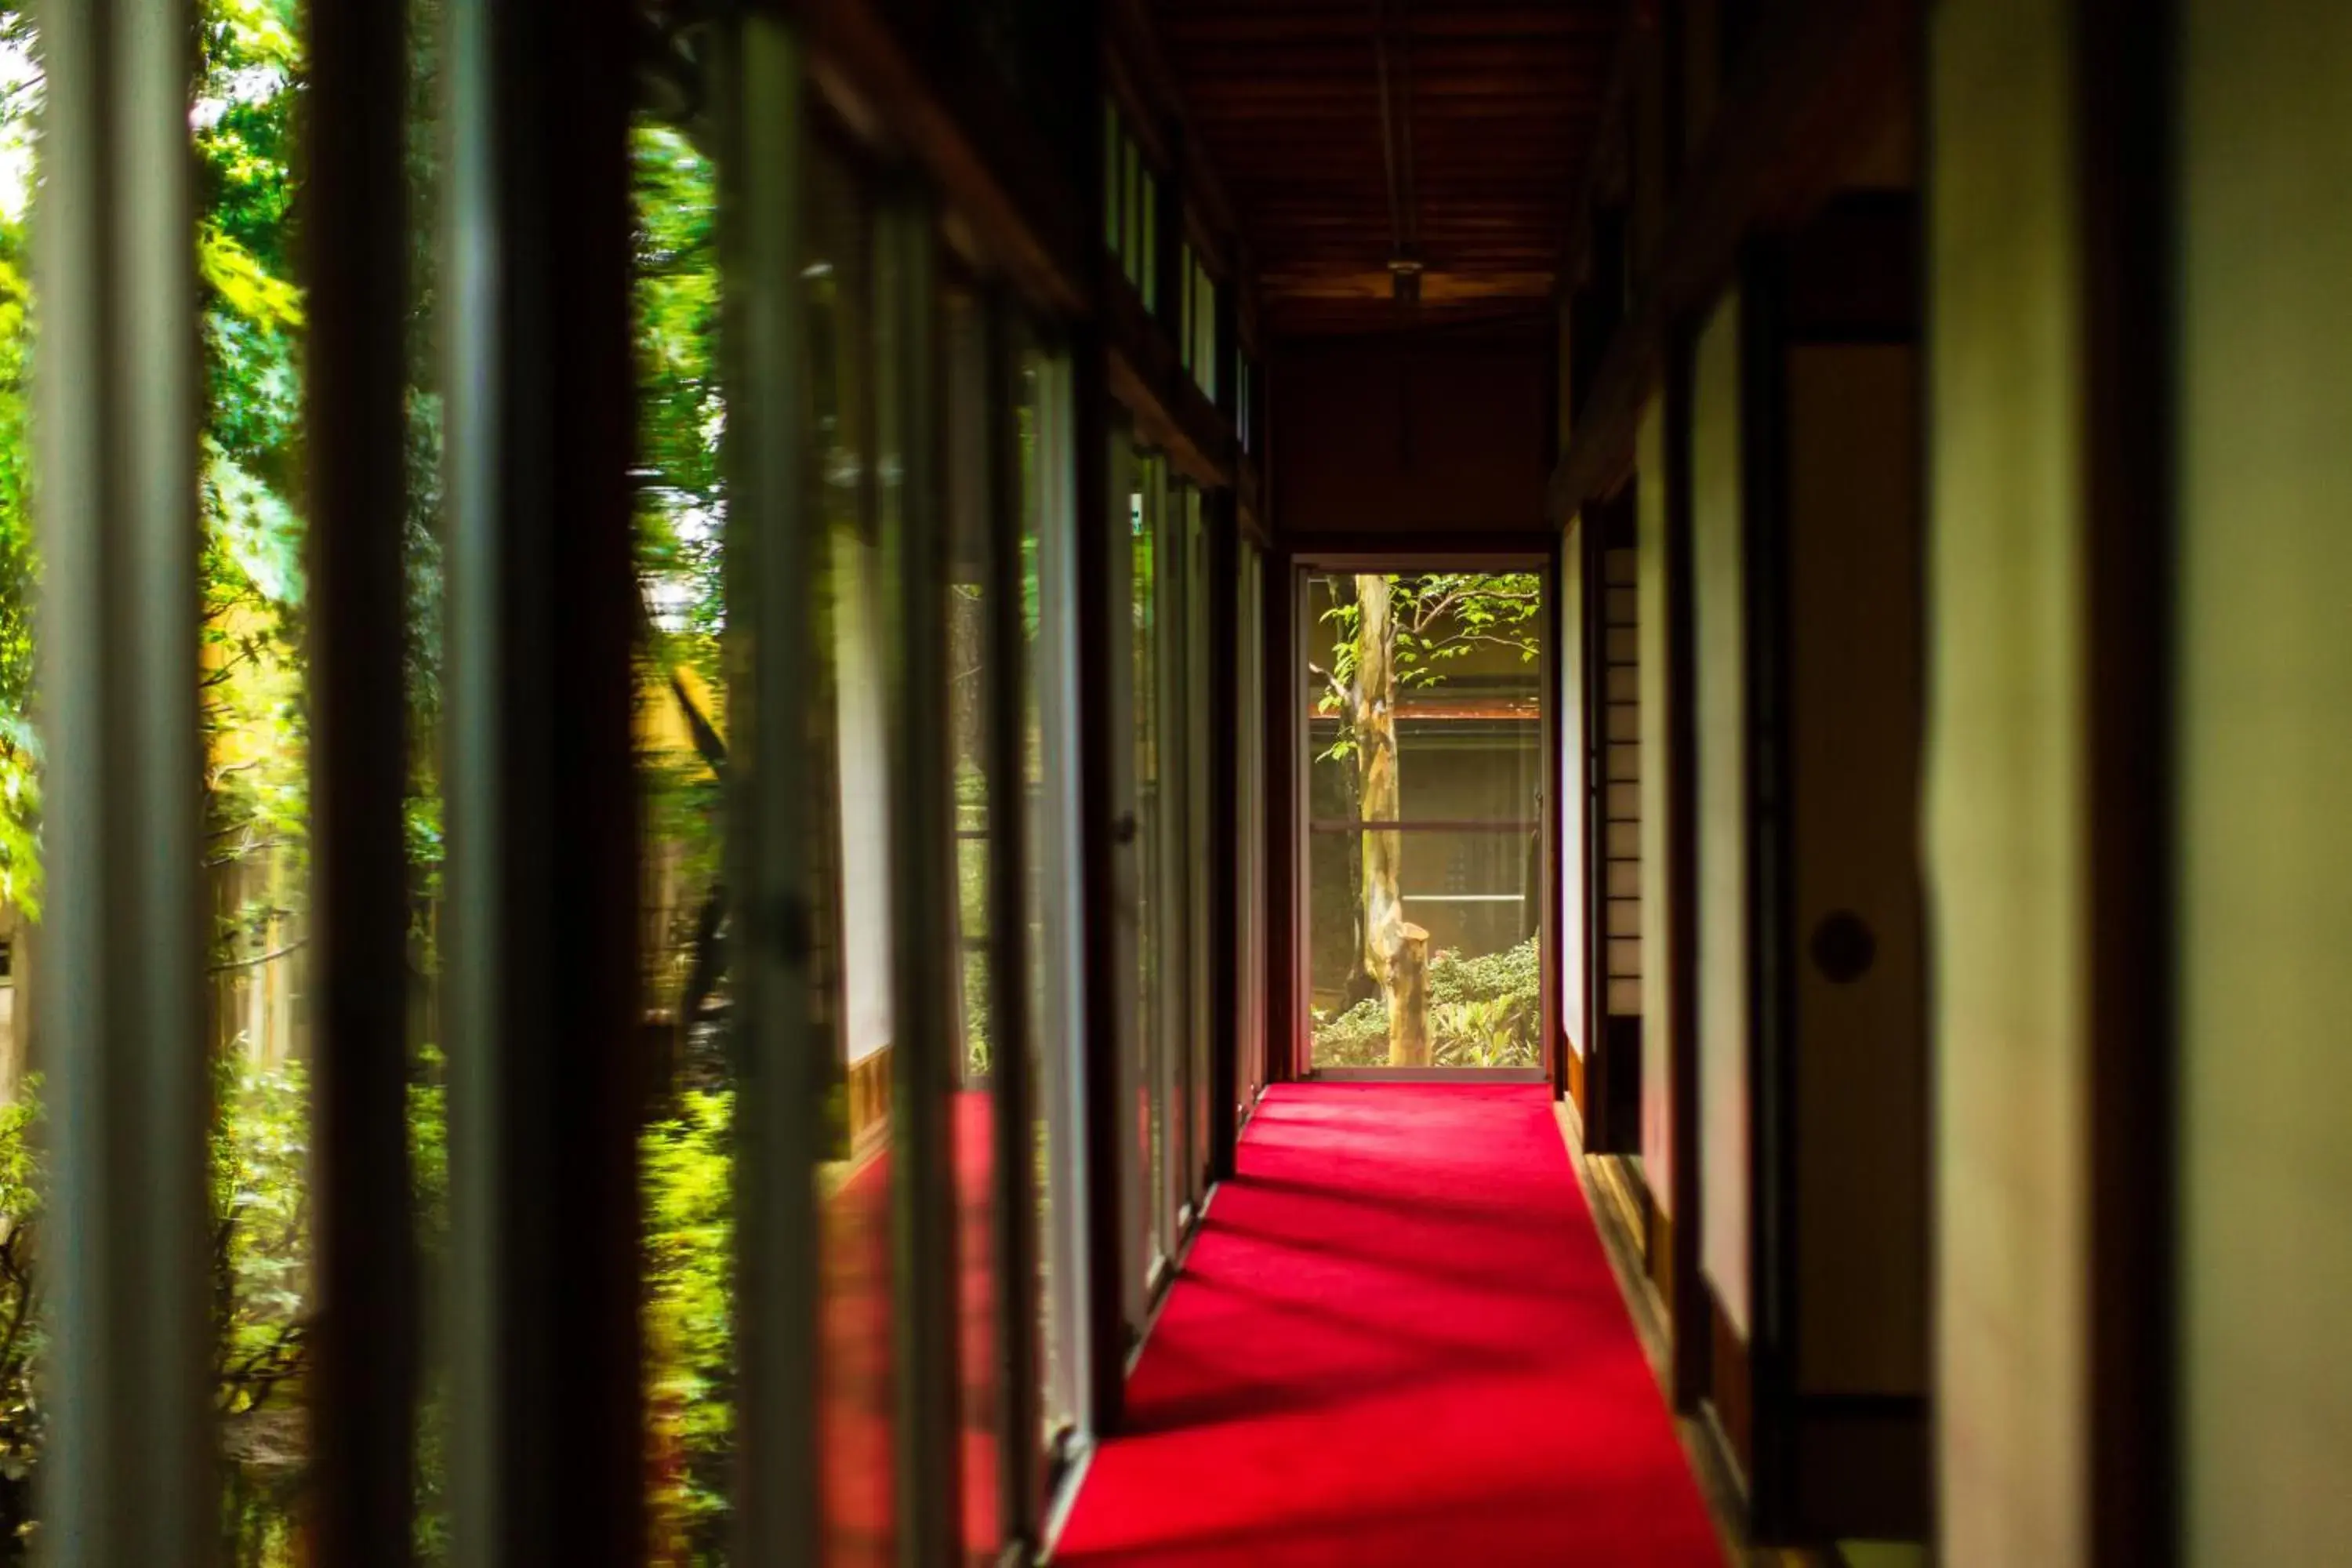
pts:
[1615, 1208]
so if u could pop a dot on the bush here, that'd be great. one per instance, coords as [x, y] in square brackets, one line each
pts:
[1484, 1011]
[687, 1175]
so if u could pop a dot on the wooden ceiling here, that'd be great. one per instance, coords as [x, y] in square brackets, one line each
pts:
[1492, 109]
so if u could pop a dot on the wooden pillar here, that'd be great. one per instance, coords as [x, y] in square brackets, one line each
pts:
[924, 960]
[546, 1454]
[1222, 704]
[774, 547]
[363, 1382]
[129, 1477]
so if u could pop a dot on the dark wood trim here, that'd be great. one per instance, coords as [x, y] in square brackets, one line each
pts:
[1249, 486]
[1616, 1069]
[994, 170]
[1172, 415]
[1624, 55]
[542, 984]
[1013, 1127]
[2124, 86]
[1862, 1467]
[1284, 838]
[1853, 274]
[1430, 542]
[1728, 1389]
[1815, 79]
[1681, 883]
[1134, 42]
[1106, 830]
[1223, 869]
[1558, 726]
[1774, 1123]
[364, 1389]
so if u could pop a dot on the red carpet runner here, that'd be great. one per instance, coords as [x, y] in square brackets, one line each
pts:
[1397, 1341]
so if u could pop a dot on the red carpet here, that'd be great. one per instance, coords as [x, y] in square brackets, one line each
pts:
[856, 1380]
[1397, 1341]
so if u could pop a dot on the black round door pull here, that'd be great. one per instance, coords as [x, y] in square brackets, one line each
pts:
[1844, 947]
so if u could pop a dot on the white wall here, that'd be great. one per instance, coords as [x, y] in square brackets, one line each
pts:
[1569, 811]
[863, 780]
[2265, 732]
[2006, 903]
[1719, 630]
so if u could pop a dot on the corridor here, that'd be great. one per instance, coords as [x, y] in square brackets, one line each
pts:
[1397, 1340]
[1175, 783]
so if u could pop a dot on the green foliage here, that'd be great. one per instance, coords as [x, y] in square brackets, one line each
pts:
[689, 1157]
[248, 90]
[682, 414]
[20, 868]
[1484, 1011]
[1436, 619]
[687, 1175]
[260, 1253]
[23, 1417]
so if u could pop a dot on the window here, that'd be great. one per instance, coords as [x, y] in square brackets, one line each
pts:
[1200, 324]
[1130, 206]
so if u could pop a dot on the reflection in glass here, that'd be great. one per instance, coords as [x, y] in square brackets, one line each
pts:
[1048, 605]
[856, 1388]
[1426, 711]
[972, 655]
[1151, 906]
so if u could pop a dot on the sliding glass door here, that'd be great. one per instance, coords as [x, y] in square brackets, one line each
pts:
[1168, 1058]
[1423, 714]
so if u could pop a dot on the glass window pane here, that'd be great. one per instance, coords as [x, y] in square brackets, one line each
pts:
[1198, 847]
[971, 660]
[686, 1147]
[1152, 903]
[1177, 870]
[1048, 620]
[856, 1388]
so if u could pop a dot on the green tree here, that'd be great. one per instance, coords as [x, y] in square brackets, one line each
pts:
[1389, 633]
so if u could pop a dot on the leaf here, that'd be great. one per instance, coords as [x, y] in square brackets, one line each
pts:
[244, 285]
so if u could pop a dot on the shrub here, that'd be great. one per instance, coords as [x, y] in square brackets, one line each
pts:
[1484, 1011]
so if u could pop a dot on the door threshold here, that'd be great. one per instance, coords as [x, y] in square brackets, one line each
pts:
[1426, 1075]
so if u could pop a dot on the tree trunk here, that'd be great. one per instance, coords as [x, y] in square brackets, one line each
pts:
[17, 1040]
[1377, 799]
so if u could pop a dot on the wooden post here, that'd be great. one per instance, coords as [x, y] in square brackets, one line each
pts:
[1408, 988]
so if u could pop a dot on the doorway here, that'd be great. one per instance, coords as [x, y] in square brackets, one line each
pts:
[1424, 730]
